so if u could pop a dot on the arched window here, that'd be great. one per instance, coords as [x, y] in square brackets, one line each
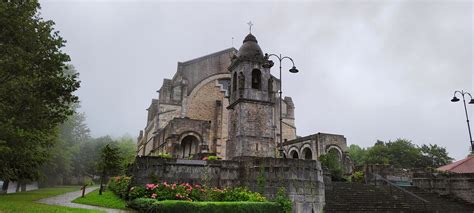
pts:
[294, 154]
[256, 79]
[234, 82]
[307, 153]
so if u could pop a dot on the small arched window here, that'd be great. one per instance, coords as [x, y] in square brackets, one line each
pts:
[234, 82]
[256, 79]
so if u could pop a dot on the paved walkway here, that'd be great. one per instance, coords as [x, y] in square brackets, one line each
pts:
[65, 200]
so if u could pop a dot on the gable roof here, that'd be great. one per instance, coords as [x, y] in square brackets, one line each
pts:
[465, 165]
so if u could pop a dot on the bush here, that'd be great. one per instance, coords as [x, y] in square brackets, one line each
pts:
[152, 205]
[357, 177]
[195, 192]
[164, 155]
[119, 185]
[283, 201]
[211, 158]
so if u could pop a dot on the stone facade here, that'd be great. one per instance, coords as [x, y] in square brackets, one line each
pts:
[200, 90]
[302, 179]
[227, 104]
[454, 184]
[313, 146]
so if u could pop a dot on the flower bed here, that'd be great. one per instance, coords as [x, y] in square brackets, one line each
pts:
[153, 205]
[195, 192]
[161, 197]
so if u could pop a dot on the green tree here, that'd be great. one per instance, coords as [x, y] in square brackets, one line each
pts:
[35, 93]
[332, 162]
[403, 154]
[357, 154]
[110, 163]
[128, 150]
[59, 168]
[434, 156]
[378, 154]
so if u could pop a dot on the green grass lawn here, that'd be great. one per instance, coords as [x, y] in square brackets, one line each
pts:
[107, 199]
[25, 201]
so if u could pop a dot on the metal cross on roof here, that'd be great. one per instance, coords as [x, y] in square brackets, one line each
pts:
[250, 26]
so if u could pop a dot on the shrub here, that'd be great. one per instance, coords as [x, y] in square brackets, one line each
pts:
[152, 205]
[357, 177]
[211, 158]
[242, 194]
[119, 185]
[164, 155]
[194, 192]
[283, 201]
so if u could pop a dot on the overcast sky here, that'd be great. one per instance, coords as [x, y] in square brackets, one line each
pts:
[368, 69]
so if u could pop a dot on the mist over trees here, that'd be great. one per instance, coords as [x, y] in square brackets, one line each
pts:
[42, 134]
[401, 153]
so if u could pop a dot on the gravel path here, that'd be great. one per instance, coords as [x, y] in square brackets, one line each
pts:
[65, 200]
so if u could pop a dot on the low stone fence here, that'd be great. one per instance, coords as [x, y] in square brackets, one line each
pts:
[302, 179]
[395, 175]
[459, 185]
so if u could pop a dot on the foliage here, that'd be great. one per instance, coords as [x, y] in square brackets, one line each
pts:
[185, 191]
[26, 201]
[108, 199]
[434, 156]
[109, 164]
[35, 93]
[357, 154]
[357, 177]
[332, 163]
[127, 148]
[283, 200]
[212, 157]
[120, 185]
[152, 205]
[401, 153]
[165, 155]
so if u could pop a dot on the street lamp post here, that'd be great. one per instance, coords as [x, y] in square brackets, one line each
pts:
[292, 70]
[455, 99]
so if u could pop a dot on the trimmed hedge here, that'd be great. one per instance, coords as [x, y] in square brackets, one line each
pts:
[173, 206]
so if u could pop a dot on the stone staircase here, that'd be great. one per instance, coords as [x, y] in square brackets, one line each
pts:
[357, 197]
[436, 203]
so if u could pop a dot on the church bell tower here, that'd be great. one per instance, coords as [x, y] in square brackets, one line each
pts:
[251, 104]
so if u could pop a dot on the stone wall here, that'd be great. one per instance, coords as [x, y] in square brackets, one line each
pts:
[302, 179]
[389, 172]
[459, 185]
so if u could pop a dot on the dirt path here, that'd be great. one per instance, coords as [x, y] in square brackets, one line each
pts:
[65, 200]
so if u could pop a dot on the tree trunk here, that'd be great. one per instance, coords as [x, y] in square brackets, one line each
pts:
[101, 188]
[23, 186]
[5, 187]
[17, 186]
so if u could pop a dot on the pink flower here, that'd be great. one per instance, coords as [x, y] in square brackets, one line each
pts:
[153, 195]
[150, 186]
[205, 158]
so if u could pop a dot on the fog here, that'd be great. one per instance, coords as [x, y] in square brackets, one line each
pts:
[368, 70]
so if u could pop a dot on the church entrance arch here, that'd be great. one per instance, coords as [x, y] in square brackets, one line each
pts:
[189, 146]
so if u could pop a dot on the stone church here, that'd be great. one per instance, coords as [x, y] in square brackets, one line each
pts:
[226, 104]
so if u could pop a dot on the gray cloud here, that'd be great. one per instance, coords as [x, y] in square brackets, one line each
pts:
[369, 70]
